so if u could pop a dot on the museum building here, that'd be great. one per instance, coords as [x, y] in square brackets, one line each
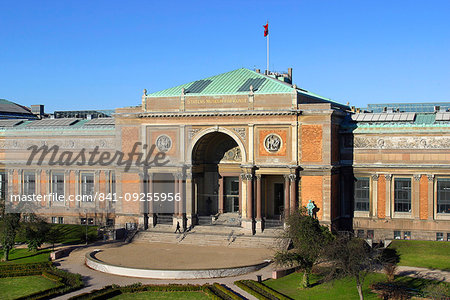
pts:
[246, 149]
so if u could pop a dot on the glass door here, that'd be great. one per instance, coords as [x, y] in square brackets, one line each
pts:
[231, 194]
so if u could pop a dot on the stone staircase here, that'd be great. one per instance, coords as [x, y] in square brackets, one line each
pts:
[212, 235]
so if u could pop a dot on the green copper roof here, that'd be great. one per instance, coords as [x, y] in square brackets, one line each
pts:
[234, 82]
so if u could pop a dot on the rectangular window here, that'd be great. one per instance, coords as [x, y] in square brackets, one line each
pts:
[113, 183]
[362, 194]
[3, 185]
[402, 194]
[87, 186]
[83, 221]
[443, 195]
[60, 220]
[360, 233]
[439, 236]
[448, 237]
[58, 183]
[29, 183]
[90, 221]
[370, 234]
[54, 220]
[110, 222]
[397, 235]
[407, 235]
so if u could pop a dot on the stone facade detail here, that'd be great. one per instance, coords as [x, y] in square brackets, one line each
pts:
[163, 143]
[241, 132]
[272, 142]
[364, 142]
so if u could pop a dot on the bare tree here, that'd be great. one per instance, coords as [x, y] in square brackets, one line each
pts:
[352, 257]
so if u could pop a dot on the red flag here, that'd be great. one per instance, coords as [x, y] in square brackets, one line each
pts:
[266, 29]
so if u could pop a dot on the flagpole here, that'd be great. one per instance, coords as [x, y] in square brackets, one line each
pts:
[267, 54]
[268, 50]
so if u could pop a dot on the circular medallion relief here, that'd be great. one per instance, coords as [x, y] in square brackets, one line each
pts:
[272, 142]
[163, 143]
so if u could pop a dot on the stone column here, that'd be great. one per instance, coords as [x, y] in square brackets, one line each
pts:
[221, 196]
[240, 195]
[249, 178]
[151, 215]
[293, 192]
[143, 216]
[259, 219]
[190, 199]
[286, 196]
[181, 191]
[388, 196]
[374, 203]
[258, 198]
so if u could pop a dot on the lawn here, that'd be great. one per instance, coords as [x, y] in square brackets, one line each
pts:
[74, 234]
[424, 254]
[23, 256]
[163, 295]
[14, 287]
[339, 289]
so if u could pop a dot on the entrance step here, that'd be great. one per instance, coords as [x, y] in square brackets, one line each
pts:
[228, 219]
[208, 239]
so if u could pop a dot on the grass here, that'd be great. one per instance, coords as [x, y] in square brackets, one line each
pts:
[424, 254]
[339, 289]
[14, 287]
[74, 234]
[163, 295]
[23, 256]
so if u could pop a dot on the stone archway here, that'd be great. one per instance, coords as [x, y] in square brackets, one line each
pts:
[216, 159]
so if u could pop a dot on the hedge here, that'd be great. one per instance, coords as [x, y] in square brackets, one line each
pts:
[69, 282]
[114, 290]
[223, 293]
[260, 290]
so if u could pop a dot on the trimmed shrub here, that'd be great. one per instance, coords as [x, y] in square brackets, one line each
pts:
[260, 290]
[223, 293]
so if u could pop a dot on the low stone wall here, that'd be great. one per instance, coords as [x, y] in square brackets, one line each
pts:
[101, 266]
[61, 253]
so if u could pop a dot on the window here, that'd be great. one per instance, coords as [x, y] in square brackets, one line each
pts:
[439, 236]
[90, 221]
[448, 237]
[112, 183]
[87, 186]
[54, 220]
[362, 198]
[3, 185]
[110, 222]
[29, 183]
[407, 235]
[370, 234]
[397, 235]
[360, 233]
[58, 183]
[402, 194]
[443, 195]
[83, 221]
[60, 220]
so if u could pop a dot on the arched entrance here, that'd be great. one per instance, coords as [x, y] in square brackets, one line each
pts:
[216, 160]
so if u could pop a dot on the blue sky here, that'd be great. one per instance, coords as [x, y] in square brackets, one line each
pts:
[102, 54]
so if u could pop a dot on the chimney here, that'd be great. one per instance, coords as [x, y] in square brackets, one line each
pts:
[258, 71]
[290, 74]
